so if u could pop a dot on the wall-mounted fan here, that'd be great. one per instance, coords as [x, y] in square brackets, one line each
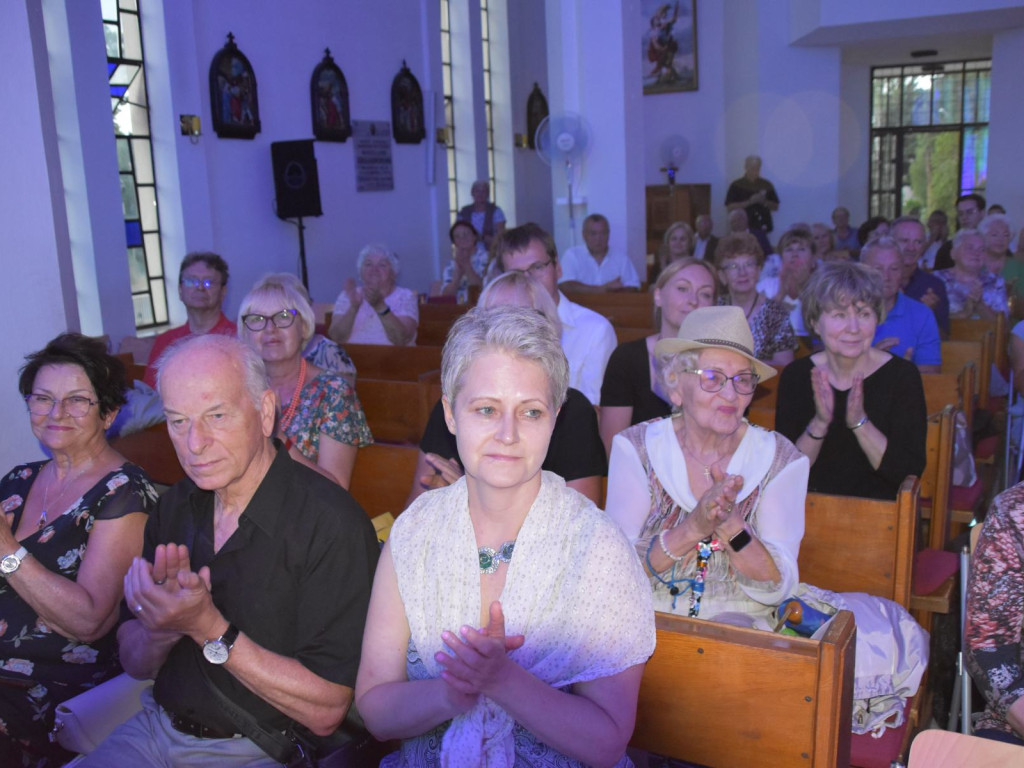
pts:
[562, 140]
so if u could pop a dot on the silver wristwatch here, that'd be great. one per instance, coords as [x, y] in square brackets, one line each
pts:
[217, 651]
[10, 563]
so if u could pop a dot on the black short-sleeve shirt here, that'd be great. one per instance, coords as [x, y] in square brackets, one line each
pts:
[575, 450]
[627, 382]
[294, 577]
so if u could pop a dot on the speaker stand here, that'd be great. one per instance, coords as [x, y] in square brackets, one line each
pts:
[302, 252]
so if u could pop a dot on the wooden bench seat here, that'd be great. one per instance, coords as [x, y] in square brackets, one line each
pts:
[850, 545]
[726, 696]
[382, 477]
[382, 361]
[396, 410]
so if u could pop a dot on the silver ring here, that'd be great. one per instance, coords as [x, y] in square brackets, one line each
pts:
[728, 510]
[138, 608]
[161, 582]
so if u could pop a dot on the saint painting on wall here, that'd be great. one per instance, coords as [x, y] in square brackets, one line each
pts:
[536, 111]
[669, 46]
[329, 99]
[233, 100]
[407, 108]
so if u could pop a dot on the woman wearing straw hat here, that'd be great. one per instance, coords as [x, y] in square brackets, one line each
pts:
[713, 505]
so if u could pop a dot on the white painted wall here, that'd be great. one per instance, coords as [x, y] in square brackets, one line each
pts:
[38, 304]
[227, 184]
[1005, 149]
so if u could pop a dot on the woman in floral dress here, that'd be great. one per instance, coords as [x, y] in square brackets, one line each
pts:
[321, 420]
[70, 528]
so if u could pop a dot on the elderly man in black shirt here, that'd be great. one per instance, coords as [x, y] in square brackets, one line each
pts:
[251, 594]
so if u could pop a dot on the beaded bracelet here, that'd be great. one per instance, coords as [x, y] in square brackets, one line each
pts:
[665, 549]
[859, 424]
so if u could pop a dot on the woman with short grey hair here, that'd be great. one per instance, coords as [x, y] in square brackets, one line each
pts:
[552, 676]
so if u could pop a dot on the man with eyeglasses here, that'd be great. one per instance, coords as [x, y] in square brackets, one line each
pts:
[588, 339]
[202, 287]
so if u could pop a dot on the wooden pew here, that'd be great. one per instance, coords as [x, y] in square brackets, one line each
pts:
[865, 545]
[725, 696]
[382, 477]
[957, 354]
[599, 301]
[382, 361]
[974, 330]
[152, 450]
[623, 335]
[435, 322]
[396, 410]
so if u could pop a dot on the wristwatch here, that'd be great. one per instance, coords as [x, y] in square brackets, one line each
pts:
[11, 563]
[217, 651]
[740, 540]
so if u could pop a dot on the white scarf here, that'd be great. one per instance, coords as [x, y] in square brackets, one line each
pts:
[574, 588]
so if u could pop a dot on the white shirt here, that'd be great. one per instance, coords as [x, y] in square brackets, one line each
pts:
[367, 327]
[578, 264]
[769, 286]
[588, 340]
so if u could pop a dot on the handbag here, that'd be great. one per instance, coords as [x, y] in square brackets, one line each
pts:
[83, 721]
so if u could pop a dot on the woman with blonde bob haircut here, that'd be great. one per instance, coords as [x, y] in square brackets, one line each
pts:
[631, 392]
[676, 244]
[551, 676]
[320, 418]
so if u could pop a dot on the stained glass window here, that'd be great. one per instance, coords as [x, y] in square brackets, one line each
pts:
[130, 107]
[929, 136]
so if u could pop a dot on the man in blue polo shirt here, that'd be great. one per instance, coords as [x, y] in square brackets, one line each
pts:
[910, 330]
[909, 234]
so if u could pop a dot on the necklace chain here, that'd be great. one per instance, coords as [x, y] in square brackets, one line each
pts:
[67, 484]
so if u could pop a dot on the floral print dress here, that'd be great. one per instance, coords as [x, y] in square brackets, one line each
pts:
[327, 405]
[40, 668]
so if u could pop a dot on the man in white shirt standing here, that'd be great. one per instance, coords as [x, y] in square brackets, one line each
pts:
[588, 339]
[594, 267]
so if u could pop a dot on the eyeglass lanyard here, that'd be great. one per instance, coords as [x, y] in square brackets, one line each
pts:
[696, 584]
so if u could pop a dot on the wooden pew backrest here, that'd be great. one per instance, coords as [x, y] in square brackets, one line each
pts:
[383, 476]
[852, 544]
[726, 696]
[382, 361]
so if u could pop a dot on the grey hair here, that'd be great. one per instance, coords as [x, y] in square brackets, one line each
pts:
[254, 372]
[906, 220]
[883, 243]
[286, 287]
[994, 218]
[669, 368]
[517, 331]
[525, 286]
[963, 234]
[372, 248]
[840, 284]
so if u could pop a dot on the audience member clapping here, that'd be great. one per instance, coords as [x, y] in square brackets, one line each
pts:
[377, 311]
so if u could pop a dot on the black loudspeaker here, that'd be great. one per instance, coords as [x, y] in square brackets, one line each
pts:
[295, 180]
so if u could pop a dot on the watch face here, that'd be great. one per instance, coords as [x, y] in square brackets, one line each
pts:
[740, 540]
[9, 564]
[216, 651]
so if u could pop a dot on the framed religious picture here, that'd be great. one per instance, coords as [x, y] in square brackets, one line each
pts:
[536, 111]
[407, 108]
[233, 99]
[669, 46]
[328, 93]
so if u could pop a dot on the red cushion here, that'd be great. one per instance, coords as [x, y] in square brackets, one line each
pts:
[966, 496]
[869, 752]
[986, 447]
[931, 569]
